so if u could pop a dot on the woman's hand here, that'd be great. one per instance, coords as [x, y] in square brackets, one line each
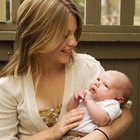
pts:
[66, 123]
[69, 121]
[114, 130]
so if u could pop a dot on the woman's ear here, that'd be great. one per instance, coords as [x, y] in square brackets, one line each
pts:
[120, 99]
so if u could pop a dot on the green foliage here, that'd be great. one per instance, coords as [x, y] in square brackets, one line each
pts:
[80, 4]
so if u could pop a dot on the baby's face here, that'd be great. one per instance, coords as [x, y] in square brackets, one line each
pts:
[106, 86]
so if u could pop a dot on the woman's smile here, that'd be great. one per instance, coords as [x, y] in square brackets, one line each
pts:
[67, 52]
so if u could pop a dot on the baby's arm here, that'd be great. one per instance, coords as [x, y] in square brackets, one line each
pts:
[98, 115]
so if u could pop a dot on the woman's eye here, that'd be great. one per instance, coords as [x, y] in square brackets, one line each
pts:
[66, 36]
[75, 34]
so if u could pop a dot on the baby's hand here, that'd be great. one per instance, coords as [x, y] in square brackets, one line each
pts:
[79, 96]
[88, 95]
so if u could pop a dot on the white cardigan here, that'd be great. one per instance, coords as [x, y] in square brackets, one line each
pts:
[19, 116]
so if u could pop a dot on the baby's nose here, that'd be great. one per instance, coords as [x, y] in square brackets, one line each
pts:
[97, 83]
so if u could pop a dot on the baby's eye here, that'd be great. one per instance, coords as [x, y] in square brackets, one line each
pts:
[106, 85]
[98, 79]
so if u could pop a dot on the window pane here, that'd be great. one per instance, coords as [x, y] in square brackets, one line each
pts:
[137, 13]
[2, 10]
[110, 12]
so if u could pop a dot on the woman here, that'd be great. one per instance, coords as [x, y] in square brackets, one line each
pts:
[44, 73]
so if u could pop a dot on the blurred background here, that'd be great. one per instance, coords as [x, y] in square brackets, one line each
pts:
[111, 11]
[111, 33]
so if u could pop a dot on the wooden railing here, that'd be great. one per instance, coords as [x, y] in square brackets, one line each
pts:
[125, 31]
[92, 29]
[93, 12]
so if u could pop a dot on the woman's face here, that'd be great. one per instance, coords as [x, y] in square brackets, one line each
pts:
[63, 52]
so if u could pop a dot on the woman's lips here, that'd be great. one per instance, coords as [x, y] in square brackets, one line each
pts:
[67, 52]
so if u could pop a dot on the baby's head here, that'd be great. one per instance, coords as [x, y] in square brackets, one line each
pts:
[111, 84]
[123, 84]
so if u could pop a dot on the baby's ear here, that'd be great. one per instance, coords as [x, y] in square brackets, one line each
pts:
[120, 99]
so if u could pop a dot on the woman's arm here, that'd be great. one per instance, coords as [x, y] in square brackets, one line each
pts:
[113, 131]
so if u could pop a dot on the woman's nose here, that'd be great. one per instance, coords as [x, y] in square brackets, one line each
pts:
[72, 42]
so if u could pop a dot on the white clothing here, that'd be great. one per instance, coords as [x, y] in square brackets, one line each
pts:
[19, 115]
[112, 107]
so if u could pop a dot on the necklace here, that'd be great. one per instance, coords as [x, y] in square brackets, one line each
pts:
[50, 116]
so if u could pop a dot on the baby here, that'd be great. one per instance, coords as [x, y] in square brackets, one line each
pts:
[101, 103]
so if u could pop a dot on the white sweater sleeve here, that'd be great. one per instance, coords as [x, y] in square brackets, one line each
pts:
[8, 105]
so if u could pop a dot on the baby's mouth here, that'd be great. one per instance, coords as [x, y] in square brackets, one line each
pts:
[92, 90]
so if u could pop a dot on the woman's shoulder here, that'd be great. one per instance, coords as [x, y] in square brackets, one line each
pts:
[86, 65]
[87, 60]
[10, 86]
[86, 57]
[9, 81]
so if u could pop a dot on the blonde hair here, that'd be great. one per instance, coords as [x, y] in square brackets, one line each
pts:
[41, 25]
